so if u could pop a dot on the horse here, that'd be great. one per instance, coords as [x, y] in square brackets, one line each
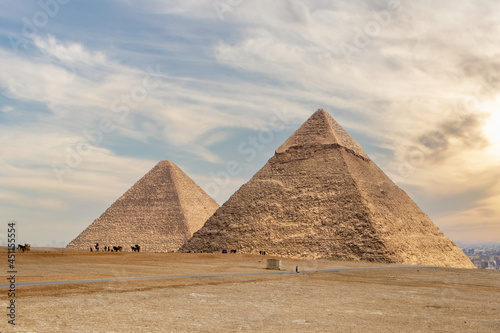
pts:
[117, 248]
[136, 248]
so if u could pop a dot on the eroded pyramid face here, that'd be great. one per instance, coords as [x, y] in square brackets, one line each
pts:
[320, 196]
[159, 213]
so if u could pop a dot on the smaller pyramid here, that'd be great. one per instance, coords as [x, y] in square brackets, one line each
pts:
[160, 213]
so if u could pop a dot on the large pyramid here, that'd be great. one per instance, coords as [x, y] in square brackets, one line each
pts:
[160, 212]
[320, 196]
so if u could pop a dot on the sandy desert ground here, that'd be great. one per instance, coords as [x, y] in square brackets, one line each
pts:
[375, 300]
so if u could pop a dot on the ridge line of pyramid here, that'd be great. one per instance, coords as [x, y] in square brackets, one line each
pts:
[344, 138]
[328, 119]
[173, 180]
[183, 187]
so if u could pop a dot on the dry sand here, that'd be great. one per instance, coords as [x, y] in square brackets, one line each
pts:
[400, 300]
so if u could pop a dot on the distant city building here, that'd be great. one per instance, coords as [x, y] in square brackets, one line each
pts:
[482, 265]
[487, 257]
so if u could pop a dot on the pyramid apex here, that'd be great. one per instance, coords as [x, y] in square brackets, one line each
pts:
[322, 129]
[166, 163]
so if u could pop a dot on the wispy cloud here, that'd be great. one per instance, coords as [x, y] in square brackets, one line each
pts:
[70, 52]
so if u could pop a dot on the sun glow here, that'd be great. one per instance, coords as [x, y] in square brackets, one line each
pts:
[492, 127]
[492, 124]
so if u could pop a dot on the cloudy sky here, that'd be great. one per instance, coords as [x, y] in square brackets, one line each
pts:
[94, 93]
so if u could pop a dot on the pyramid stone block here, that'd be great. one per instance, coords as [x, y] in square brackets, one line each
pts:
[160, 212]
[321, 197]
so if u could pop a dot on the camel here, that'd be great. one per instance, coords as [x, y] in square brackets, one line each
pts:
[23, 248]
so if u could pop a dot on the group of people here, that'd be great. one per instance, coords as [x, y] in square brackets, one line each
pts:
[107, 248]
